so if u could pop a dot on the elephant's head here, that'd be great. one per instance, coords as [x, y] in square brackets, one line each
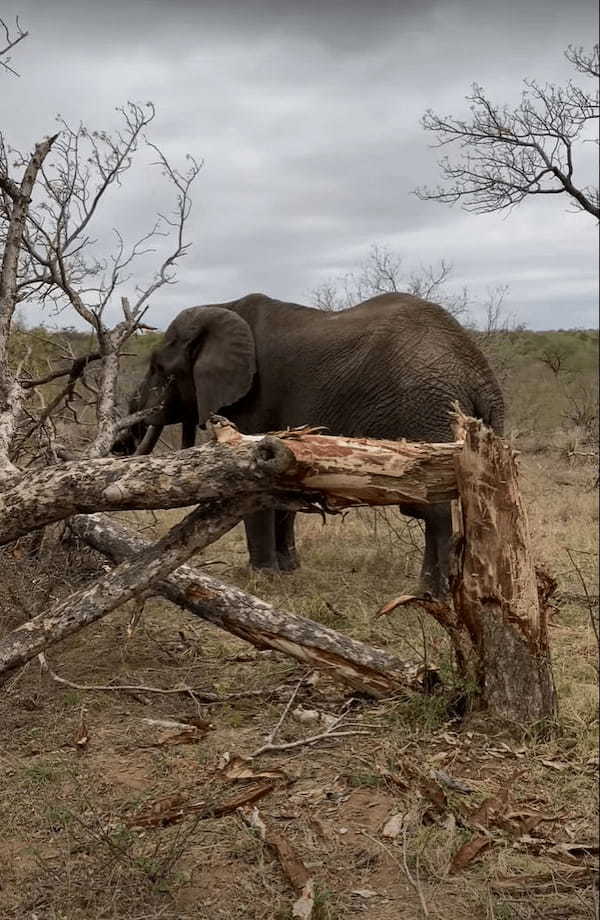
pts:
[205, 362]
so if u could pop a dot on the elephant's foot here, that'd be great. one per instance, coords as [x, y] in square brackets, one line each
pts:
[288, 562]
[265, 568]
[434, 583]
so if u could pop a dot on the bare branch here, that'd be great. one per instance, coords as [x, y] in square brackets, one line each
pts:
[10, 41]
[508, 155]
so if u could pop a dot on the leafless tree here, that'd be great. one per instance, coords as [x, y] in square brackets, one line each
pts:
[46, 226]
[507, 155]
[382, 272]
[554, 358]
[10, 40]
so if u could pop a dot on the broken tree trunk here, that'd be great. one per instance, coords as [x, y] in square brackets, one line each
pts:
[494, 585]
[497, 622]
[347, 471]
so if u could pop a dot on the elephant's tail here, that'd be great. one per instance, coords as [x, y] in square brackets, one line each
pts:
[489, 407]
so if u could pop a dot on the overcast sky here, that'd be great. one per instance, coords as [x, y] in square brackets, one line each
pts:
[307, 117]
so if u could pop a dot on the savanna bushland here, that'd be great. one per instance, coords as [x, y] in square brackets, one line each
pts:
[80, 757]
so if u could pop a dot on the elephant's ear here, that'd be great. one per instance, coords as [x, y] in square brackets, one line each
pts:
[223, 359]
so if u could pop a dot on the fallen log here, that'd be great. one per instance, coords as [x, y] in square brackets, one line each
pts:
[145, 567]
[130, 579]
[350, 472]
[369, 670]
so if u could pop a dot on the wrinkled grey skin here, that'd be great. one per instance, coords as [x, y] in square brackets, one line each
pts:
[390, 367]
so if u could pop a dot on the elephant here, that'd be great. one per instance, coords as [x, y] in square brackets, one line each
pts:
[390, 367]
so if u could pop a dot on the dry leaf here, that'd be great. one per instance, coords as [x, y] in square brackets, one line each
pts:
[173, 808]
[578, 850]
[303, 907]
[528, 819]
[468, 853]
[238, 768]
[189, 735]
[434, 792]
[393, 826]
[223, 760]
[449, 739]
[451, 782]
[557, 764]
[489, 810]
[253, 818]
[397, 602]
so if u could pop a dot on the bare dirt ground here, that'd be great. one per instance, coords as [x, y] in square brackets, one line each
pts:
[81, 833]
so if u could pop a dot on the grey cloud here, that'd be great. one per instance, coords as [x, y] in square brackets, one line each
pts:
[307, 118]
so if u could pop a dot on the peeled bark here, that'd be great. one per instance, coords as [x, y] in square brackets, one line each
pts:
[499, 618]
[348, 471]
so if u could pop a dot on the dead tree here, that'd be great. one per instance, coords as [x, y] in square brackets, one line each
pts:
[497, 620]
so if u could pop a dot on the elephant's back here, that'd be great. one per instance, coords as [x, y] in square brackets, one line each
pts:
[391, 367]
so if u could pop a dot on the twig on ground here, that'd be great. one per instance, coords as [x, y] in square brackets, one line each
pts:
[414, 882]
[271, 735]
[203, 696]
[269, 745]
[404, 866]
[268, 748]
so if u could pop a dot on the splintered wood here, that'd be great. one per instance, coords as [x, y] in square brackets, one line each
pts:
[497, 601]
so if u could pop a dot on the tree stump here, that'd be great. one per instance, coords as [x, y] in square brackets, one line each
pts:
[500, 615]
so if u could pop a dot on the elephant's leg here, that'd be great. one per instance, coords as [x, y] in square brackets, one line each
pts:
[260, 537]
[188, 433]
[285, 541]
[438, 535]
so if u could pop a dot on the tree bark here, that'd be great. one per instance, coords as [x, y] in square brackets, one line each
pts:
[349, 471]
[498, 613]
[11, 392]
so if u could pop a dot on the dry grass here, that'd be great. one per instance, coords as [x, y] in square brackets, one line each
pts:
[65, 847]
